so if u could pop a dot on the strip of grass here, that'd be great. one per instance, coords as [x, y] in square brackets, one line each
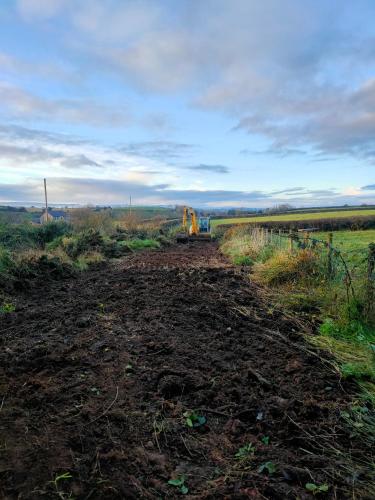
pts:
[138, 244]
[339, 214]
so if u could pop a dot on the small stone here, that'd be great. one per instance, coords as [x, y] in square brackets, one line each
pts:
[83, 321]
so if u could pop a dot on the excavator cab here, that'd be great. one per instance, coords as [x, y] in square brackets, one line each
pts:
[195, 228]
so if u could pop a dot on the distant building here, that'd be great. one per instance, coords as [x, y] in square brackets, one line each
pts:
[54, 215]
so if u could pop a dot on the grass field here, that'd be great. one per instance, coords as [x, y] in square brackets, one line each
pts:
[295, 216]
[348, 241]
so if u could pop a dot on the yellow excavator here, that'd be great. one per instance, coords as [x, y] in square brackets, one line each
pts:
[195, 228]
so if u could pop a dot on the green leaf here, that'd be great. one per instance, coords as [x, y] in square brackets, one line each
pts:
[201, 421]
[175, 482]
[184, 489]
[266, 440]
[311, 487]
[270, 467]
[189, 422]
[324, 487]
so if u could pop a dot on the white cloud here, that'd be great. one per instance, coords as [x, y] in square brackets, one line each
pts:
[19, 103]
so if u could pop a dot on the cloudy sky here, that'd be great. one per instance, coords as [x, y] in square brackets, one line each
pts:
[208, 102]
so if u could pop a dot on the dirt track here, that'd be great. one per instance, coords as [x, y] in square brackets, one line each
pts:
[96, 373]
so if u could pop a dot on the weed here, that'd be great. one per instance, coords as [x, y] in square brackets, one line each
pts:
[245, 452]
[316, 489]
[56, 483]
[7, 308]
[129, 369]
[265, 440]
[268, 467]
[193, 420]
[180, 484]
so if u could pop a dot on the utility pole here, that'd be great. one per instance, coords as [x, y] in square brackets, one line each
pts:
[45, 197]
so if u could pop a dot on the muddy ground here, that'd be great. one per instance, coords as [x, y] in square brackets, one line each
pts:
[97, 371]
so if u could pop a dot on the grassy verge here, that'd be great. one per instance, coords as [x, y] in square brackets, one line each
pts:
[298, 283]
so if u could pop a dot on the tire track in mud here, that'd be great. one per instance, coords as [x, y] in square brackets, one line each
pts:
[97, 372]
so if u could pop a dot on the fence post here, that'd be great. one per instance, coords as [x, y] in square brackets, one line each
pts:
[280, 239]
[266, 236]
[306, 238]
[271, 236]
[290, 241]
[329, 260]
[370, 292]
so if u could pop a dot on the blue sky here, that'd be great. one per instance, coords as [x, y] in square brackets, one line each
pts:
[211, 103]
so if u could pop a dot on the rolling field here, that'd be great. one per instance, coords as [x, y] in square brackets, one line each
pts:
[295, 217]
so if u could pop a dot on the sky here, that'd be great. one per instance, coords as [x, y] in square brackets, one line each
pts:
[211, 103]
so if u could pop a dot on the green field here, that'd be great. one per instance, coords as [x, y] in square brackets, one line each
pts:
[348, 241]
[339, 214]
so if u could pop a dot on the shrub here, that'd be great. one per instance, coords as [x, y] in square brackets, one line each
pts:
[46, 233]
[87, 241]
[84, 219]
[23, 236]
[6, 262]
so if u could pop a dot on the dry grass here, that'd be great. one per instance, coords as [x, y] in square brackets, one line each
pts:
[283, 267]
[240, 242]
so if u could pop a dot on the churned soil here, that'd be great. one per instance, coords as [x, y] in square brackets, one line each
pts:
[98, 370]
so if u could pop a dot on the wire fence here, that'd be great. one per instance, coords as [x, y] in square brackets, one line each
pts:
[355, 269]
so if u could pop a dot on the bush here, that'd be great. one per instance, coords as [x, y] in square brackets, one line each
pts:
[6, 262]
[23, 236]
[84, 219]
[87, 241]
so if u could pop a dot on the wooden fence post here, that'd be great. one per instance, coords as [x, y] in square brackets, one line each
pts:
[306, 238]
[370, 289]
[330, 255]
[280, 239]
[290, 241]
[271, 236]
